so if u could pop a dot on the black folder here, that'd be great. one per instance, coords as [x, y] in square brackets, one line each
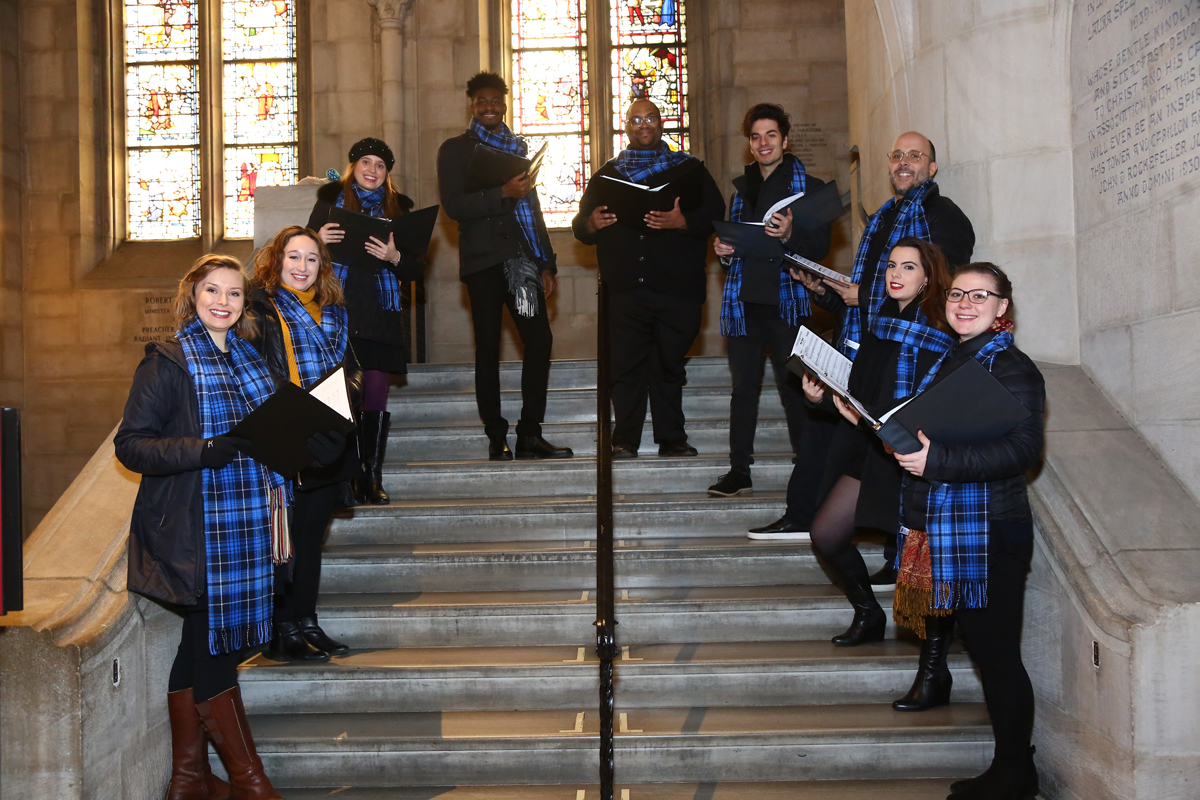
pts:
[821, 206]
[632, 202]
[413, 231]
[278, 431]
[748, 239]
[818, 207]
[491, 167]
[969, 406]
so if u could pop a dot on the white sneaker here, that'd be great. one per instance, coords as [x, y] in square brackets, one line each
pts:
[782, 536]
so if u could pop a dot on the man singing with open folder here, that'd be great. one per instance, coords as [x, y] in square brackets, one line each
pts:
[652, 263]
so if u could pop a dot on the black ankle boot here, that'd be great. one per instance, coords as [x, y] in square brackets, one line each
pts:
[931, 687]
[1015, 782]
[870, 620]
[290, 644]
[318, 638]
[373, 443]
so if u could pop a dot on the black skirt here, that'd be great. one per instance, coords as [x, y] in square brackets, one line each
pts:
[380, 356]
[845, 456]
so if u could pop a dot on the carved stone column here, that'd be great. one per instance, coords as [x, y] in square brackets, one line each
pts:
[393, 16]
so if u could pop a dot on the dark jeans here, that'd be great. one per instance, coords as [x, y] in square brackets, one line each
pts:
[649, 335]
[310, 519]
[488, 291]
[763, 328]
[195, 667]
[993, 637]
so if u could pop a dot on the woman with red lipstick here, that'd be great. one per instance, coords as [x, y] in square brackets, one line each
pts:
[304, 336]
[372, 297]
[862, 483]
[201, 535]
[968, 531]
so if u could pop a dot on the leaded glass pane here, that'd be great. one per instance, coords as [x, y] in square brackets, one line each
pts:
[161, 101]
[260, 102]
[548, 23]
[658, 74]
[259, 29]
[160, 30]
[164, 194]
[247, 168]
[563, 176]
[640, 22]
[549, 94]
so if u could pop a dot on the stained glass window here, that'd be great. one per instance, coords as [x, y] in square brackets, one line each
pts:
[163, 96]
[550, 98]
[550, 74]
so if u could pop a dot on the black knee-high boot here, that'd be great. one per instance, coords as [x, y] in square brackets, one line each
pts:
[931, 687]
[373, 435]
[870, 621]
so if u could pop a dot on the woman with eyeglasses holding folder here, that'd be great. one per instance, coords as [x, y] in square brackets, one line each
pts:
[303, 336]
[968, 531]
[372, 295]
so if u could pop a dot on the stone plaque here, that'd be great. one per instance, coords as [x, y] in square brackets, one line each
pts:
[158, 318]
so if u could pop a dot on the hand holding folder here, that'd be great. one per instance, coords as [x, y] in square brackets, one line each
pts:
[277, 433]
[631, 202]
[412, 231]
[490, 167]
[820, 207]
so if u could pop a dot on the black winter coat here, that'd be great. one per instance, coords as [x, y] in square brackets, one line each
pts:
[160, 437]
[1001, 463]
[368, 318]
[488, 231]
[269, 342]
[671, 262]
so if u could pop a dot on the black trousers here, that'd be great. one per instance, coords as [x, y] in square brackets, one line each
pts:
[764, 328]
[310, 519]
[649, 336]
[488, 291]
[195, 667]
[993, 637]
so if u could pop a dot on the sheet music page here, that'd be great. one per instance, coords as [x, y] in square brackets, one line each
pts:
[814, 267]
[828, 365]
[784, 203]
[331, 390]
[883, 419]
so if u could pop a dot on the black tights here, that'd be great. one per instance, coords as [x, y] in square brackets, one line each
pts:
[833, 534]
[195, 668]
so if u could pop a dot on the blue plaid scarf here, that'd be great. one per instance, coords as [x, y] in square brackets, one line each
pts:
[793, 297]
[913, 337]
[318, 348]
[237, 514]
[638, 166]
[387, 287]
[910, 221]
[528, 209]
[956, 523]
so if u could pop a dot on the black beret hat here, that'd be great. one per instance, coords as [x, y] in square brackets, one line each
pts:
[373, 147]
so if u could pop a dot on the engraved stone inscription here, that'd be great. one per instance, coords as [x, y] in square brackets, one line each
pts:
[805, 139]
[158, 318]
[1138, 96]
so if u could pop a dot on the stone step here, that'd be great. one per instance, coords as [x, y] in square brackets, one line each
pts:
[571, 476]
[870, 741]
[935, 789]
[433, 443]
[541, 678]
[557, 519]
[564, 374]
[555, 617]
[562, 405]
[500, 566]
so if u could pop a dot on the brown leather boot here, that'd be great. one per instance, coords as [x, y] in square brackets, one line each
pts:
[225, 718]
[191, 779]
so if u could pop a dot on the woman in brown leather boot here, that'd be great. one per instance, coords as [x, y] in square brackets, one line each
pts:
[201, 534]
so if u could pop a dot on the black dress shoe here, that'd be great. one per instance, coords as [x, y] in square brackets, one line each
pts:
[498, 449]
[677, 450]
[995, 778]
[782, 529]
[624, 451]
[319, 639]
[537, 447]
[290, 645]
[886, 576]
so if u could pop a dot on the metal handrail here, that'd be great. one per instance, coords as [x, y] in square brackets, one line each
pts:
[606, 620]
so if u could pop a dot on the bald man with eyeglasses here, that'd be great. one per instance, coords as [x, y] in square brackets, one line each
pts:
[917, 208]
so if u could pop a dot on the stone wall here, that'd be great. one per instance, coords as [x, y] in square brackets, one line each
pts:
[12, 366]
[985, 80]
[1135, 91]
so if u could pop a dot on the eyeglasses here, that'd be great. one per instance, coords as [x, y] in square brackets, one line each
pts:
[653, 119]
[976, 296]
[911, 156]
[483, 102]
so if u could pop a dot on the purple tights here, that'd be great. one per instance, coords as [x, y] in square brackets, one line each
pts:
[375, 390]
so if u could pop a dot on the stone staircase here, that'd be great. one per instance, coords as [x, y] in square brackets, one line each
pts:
[469, 604]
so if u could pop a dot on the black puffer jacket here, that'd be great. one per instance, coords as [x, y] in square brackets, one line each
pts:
[268, 341]
[160, 437]
[1002, 463]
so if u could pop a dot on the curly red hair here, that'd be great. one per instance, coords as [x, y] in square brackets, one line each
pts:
[268, 267]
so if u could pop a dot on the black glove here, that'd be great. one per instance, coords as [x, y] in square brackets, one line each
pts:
[220, 450]
[326, 447]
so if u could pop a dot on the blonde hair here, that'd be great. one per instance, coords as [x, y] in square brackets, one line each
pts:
[185, 299]
[268, 267]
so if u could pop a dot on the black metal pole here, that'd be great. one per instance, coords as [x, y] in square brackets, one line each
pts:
[606, 620]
